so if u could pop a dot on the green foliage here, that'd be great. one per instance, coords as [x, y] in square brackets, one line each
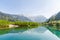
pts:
[5, 24]
[25, 24]
[54, 24]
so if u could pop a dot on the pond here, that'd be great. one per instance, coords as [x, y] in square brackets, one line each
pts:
[40, 33]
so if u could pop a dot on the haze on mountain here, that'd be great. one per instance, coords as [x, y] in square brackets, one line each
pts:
[30, 7]
[10, 17]
[38, 18]
[55, 17]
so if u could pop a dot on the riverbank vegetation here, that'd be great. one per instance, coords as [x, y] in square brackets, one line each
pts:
[53, 24]
[4, 24]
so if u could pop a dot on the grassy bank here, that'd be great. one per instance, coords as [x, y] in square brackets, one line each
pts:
[53, 24]
[4, 24]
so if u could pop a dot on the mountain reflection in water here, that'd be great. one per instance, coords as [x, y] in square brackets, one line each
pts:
[40, 33]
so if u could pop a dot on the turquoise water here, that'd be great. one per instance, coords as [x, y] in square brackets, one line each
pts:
[54, 31]
[40, 33]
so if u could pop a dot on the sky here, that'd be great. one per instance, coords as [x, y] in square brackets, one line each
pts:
[30, 8]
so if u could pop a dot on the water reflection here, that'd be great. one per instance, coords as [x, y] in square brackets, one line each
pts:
[13, 30]
[40, 33]
[54, 30]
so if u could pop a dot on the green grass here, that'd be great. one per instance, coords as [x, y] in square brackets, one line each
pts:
[4, 24]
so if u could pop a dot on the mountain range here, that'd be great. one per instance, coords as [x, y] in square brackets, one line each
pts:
[55, 17]
[38, 18]
[11, 17]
